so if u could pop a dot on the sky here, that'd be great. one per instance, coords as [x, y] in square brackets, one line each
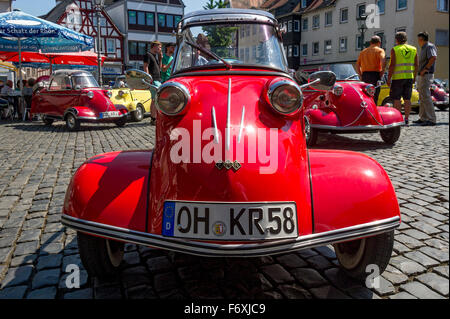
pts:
[41, 7]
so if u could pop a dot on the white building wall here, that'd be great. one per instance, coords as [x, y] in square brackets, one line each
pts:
[390, 21]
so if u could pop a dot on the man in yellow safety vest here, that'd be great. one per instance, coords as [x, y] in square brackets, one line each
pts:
[402, 72]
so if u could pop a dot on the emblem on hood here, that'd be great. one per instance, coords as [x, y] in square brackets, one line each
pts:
[229, 165]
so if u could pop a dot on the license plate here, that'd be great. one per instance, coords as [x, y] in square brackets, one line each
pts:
[105, 115]
[229, 221]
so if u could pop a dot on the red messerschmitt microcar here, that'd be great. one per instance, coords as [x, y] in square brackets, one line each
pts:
[348, 108]
[230, 174]
[74, 96]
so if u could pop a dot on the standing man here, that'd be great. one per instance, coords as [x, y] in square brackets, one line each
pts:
[372, 63]
[402, 72]
[166, 67]
[427, 61]
[152, 65]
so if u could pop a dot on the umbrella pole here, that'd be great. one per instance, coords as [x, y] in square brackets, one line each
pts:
[20, 80]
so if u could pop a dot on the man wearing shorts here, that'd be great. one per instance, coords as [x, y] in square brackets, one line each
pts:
[402, 72]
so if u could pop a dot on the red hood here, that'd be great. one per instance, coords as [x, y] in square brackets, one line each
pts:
[201, 181]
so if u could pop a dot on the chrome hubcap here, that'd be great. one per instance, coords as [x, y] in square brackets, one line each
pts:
[350, 253]
[115, 253]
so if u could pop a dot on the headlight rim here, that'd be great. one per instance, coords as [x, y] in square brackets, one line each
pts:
[276, 85]
[90, 94]
[179, 86]
[370, 87]
[340, 87]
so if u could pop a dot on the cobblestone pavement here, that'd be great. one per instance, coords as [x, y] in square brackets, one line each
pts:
[36, 163]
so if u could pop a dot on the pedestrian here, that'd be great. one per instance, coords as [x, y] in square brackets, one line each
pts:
[167, 60]
[427, 62]
[402, 72]
[152, 66]
[372, 63]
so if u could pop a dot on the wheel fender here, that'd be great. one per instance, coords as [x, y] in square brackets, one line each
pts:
[111, 189]
[320, 117]
[122, 109]
[390, 115]
[80, 111]
[349, 189]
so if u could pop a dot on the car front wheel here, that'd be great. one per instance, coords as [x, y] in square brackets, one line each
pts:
[355, 256]
[391, 135]
[121, 122]
[138, 115]
[72, 123]
[311, 134]
[101, 257]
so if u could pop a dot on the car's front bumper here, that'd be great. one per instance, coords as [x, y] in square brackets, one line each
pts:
[246, 249]
[356, 128]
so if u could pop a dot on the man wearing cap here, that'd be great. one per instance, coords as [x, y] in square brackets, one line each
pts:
[371, 63]
[402, 72]
[427, 61]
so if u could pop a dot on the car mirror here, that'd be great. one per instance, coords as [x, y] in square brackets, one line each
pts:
[322, 80]
[380, 83]
[138, 80]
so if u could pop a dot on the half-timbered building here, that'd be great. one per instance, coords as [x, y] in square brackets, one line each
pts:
[81, 16]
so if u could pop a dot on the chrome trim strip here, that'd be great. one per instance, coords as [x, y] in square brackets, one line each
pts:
[241, 128]
[232, 250]
[228, 128]
[216, 131]
[356, 128]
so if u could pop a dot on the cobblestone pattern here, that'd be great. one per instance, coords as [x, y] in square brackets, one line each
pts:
[37, 162]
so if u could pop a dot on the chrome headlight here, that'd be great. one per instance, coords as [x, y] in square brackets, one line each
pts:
[285, 97]
[338, 90]
[370, 90]
[90, 94]
[172, 97]
[109, 94]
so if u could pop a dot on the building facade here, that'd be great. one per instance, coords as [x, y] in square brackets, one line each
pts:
[288, 14]
[144, 21]
[5, 5]
[80, 15]
[329, 28]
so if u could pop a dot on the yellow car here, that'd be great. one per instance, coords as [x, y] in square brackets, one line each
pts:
[137, 102]
[384, 97]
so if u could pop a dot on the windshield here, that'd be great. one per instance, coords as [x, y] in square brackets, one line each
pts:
[84, 81]
[342, 71]
[237, 44]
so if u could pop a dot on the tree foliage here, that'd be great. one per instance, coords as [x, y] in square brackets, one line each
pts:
[219, 38]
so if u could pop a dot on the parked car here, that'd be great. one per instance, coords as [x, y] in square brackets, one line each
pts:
[137, 102]
[74, 96]
[246, 184]
[348, 108]
[384, 98]
[439, 96]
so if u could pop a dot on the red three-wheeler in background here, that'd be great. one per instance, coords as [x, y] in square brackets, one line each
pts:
[231, 174]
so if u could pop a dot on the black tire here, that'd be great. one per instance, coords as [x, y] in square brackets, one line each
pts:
[391, 135]
[72, 123]
[138, 115]
[442, 107]
[311, 134]
[101, 257]
[387, 100]
[47, 121]
[121, 122]
[354, 256]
